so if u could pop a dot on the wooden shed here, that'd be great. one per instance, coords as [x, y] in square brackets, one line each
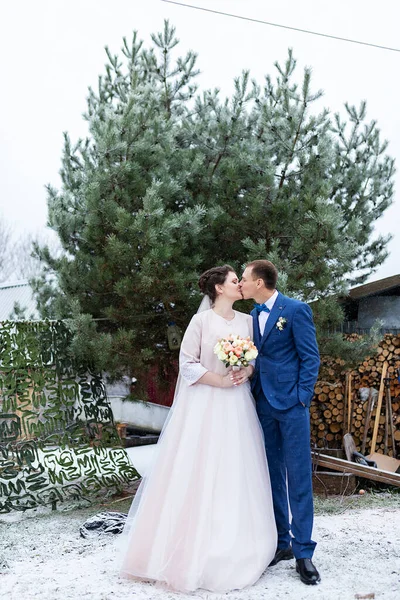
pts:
[365, 304]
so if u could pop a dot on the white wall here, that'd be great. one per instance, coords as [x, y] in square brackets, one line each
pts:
[142, 415]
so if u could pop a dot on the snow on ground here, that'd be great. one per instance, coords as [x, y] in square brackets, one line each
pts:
[42, 556]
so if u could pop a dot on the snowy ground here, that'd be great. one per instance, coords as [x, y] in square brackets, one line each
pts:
[42, 556]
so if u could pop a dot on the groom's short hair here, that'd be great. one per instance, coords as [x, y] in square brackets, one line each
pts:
[265, 270]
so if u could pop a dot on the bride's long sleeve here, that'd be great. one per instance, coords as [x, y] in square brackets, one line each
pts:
[190, 366]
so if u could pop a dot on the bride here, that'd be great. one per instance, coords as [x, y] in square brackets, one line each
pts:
[203, 518]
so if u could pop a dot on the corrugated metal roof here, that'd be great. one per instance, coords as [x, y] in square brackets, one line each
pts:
[17, 291]
[369, 289]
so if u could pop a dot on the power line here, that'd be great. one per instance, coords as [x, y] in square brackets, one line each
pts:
[333, 37]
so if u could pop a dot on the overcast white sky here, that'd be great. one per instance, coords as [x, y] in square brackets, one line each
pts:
[52, 50]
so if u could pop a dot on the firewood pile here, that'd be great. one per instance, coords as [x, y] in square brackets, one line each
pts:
[348, 402]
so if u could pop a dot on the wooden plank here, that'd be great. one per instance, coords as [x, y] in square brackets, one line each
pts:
[349, 446]
[386, 437]
[378, 408]
[370, 407]
[344, 466]
[345, 407]
[390, 418]
[349, 406]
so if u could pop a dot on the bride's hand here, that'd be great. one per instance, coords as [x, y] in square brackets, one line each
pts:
[240, 377]
[227, 381]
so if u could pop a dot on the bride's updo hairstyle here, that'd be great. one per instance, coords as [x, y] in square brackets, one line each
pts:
[213, 277]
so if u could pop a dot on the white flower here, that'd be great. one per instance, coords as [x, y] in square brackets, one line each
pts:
[281, 323]
[221, 355]
[233, 359]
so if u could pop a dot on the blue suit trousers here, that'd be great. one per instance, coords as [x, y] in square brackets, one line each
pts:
[287, 444]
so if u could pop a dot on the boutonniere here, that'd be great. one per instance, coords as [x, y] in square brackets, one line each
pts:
[281, 323]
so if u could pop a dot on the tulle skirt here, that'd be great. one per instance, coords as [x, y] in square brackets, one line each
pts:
[203, 517]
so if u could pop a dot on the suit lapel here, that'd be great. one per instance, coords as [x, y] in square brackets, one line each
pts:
[273, 316]
[256, 328]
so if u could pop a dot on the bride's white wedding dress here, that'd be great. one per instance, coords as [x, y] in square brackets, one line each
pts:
[203, 518]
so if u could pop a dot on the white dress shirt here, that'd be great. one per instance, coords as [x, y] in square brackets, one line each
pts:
[263, 316]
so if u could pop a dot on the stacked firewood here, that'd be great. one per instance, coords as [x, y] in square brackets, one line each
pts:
[327, 414]
[341, 406]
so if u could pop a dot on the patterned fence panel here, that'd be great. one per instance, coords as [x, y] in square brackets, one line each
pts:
[58, 440]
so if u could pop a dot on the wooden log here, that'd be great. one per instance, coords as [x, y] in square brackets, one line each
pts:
[367, 374]
[335, 427]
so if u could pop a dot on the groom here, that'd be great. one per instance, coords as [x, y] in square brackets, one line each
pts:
[283, 382]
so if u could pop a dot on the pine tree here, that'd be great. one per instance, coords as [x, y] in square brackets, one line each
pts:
[169, 183]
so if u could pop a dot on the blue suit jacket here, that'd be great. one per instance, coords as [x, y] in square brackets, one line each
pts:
[288, 360]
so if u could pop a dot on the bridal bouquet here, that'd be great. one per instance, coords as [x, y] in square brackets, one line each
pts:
[235, 351]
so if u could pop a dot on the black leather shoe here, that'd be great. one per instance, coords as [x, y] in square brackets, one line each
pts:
[282, 554]
[308, 573]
